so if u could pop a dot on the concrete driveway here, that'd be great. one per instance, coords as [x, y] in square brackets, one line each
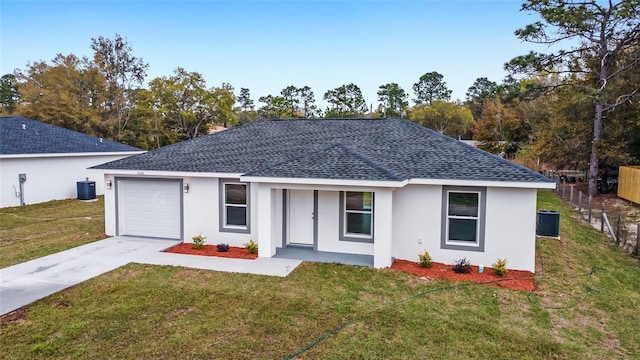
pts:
[25, 283]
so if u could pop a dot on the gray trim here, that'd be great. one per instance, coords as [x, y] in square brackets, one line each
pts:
[284, 218]
[221, 208]
[482, 207]
[116, 179]
[341, 212]
[315, 220]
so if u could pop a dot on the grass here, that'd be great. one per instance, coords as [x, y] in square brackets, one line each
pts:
[32, 231]
[142, 311]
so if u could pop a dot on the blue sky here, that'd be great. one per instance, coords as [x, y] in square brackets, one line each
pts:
[267, 45]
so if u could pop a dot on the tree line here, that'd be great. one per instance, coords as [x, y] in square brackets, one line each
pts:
[573, 108]
[105, 96]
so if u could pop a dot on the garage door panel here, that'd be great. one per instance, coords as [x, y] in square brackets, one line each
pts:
[150, 208]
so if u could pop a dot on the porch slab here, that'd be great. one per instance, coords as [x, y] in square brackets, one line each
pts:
[308, 254]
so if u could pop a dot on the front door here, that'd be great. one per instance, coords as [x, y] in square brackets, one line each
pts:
[300, 220]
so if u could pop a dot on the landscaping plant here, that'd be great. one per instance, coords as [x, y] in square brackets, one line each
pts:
[252, 247]
[223, 247]
[462, 266]
[500, 267]
[198, 240]
[425, 259]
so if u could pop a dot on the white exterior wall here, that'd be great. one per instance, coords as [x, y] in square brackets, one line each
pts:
[509, 227]
[407, 221]
[329, 226]
[201, 210]
[49, 178]
[417, 221]
[109, 205]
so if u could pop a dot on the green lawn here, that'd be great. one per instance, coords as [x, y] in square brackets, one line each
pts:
[149, 312]
[32, 231]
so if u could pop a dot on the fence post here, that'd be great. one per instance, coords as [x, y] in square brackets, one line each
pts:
[638, 241]
[580, 202]
[590, 210]
[571, 195]
[602, 220]
[564, 185]
[618, 241]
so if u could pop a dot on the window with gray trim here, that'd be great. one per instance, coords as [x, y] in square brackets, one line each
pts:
[356, 221]
[234, 206]
[463, 218]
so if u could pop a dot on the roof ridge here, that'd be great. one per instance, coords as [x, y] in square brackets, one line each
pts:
[390, 173]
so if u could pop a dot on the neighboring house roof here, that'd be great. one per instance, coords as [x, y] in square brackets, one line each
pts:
[390, 149]
[20, 135]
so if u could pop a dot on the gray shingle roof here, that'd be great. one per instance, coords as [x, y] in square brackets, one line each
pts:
[20, 135]
[359, 149]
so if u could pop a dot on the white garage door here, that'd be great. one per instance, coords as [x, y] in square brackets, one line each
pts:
[149, 208]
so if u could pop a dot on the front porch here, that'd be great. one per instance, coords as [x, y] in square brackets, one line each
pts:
[321, 223]
[306, 253]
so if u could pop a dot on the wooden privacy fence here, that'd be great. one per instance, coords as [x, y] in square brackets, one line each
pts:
[629, 183]
[623, 233]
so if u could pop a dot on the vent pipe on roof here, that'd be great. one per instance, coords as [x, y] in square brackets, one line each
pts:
[24, 127]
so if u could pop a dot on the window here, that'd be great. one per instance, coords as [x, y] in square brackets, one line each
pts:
[356, 223]
[234, 207]
[463, 219]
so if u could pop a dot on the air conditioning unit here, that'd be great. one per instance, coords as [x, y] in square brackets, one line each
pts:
[86, 190]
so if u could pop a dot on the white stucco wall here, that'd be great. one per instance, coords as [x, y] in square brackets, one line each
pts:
[329, 227]
[48, 178]
[509, 226]
[406, 221]
[200, 210]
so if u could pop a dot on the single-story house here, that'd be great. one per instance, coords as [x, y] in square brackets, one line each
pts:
[41, 162]
[386, 188]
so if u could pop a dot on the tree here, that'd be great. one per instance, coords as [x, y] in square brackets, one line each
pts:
[291, 100]
[499, 129]
[480, 90]
[346, 101]
[393, 99]
[221, 101]
[122, 72]
[247, 111]
[246, 104]
[603, 45]
[307, 98]
[275, 107]
[444, 117]
[9, 95]
[187, 107]
[69, 93]
[430, 88]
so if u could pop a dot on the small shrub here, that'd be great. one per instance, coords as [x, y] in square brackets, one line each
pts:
[223, 247]
[462, 266]
[198, 240]
[252, 247]
[500, 267]
[425, 259]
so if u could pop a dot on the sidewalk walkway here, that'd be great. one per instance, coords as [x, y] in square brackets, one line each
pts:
[27, 282]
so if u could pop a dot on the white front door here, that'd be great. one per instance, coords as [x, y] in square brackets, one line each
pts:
[300, 219]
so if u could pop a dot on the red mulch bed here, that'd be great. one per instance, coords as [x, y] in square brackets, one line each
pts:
[513, 279]
[212, 250]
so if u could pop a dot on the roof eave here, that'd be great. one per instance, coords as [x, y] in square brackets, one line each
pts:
[76, 154]
[330, 182]
[162, 173]
[486, 183]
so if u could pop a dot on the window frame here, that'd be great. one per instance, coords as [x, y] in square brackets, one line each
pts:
[223, 205]
[355, 237]
[445, 242]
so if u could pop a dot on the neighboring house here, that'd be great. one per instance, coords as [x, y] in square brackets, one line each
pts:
[381, 187]
[52, 159]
